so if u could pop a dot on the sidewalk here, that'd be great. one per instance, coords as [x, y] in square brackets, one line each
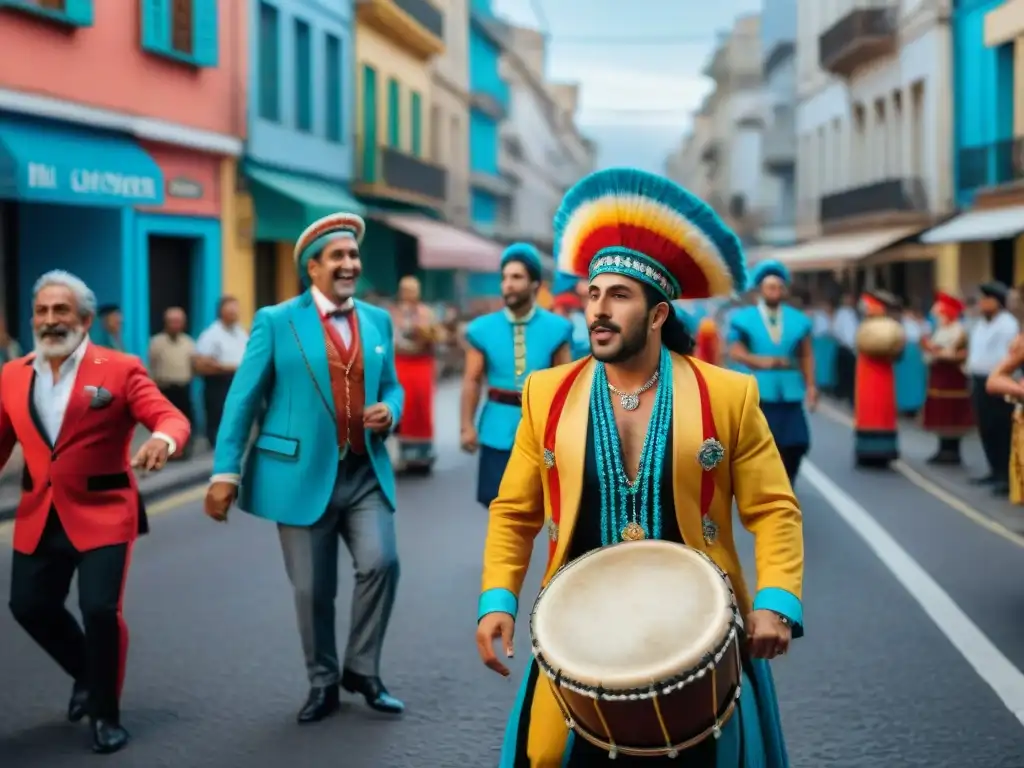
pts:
[916, 446]
[174, 477]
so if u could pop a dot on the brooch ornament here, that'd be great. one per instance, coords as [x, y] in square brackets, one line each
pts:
[549, 458]
[710, 454]
[710, 531]
[552, 530]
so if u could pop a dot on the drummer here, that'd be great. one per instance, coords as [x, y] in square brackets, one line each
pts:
[876, 429]
[592, 426]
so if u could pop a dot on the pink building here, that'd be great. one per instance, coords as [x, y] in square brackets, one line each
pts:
[120, 126]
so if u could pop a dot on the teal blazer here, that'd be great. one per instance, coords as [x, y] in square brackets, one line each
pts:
[288, 474]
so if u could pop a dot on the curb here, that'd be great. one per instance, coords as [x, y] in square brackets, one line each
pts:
[190, 477]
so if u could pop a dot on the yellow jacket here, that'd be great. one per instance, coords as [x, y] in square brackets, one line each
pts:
[751, 471]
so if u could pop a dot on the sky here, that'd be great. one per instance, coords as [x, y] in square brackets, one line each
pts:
[640, 71]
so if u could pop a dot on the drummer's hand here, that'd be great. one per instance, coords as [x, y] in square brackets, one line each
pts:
[492, 627]
[767, 634]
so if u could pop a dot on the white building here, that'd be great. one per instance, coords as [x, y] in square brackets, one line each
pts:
[778, 144]
[874, 135]
[686, 165]
[542, 151]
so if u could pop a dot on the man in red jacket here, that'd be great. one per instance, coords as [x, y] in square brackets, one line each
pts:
[73, 406]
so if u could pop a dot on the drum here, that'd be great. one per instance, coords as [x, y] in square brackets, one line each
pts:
[881, 337]
[640, 643]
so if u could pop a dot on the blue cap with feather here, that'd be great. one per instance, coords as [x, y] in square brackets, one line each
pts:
[525, 254]
[769, 268]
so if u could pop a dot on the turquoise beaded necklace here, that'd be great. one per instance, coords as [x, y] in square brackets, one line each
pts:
[631, 510]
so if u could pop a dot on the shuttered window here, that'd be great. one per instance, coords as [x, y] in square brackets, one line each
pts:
[269, 69]
[332, 83]
[75, 13]
[394, 114]
[303, 77]
[183, 30]
[416, 118]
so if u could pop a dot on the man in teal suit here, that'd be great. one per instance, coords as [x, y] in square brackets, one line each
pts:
[324, 365]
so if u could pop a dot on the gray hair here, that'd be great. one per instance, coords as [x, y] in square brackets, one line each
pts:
[85, 299]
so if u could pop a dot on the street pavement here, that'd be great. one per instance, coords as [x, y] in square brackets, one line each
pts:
[215, 673]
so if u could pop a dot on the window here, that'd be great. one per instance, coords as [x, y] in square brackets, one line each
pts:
[416, 109]
[183, 30]
[269, 63]
[394, 114]
[303, 77]
[76, 13]
[332, 80]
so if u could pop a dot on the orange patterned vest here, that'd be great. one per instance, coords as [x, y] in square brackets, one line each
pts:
[347, 383]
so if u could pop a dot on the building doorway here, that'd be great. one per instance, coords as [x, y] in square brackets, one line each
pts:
[266, 274]
[10, 310]
[1002, 261]
[171, 281]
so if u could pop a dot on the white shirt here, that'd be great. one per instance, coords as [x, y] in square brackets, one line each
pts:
[844, 326]
[51, 396]
[989, 342]
[222, 343]
[326, 307]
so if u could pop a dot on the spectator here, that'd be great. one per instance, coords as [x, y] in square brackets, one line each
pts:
[171, 357]
[219, 352]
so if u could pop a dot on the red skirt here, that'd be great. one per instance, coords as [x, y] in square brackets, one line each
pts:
[874, 414]
[416, 375]
[947, 410]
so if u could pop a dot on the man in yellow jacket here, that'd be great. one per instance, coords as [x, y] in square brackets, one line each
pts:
[644, 242]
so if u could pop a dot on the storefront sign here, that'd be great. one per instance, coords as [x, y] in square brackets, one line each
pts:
[89, 182]
[184, 188]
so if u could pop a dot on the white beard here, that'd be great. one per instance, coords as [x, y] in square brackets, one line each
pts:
[50, 348]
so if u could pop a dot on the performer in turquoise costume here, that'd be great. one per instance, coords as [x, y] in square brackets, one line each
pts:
[773, 339]
[911, 369]
[503, 348]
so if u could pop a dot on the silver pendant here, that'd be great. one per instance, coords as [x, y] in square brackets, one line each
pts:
[629, 402]
[710, 531]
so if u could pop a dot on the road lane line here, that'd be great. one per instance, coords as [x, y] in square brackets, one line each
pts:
[166, 504]
[981, 653]
[932, 488]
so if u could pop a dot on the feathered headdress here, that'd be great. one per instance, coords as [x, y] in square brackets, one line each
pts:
[646, 227]
[769, 268]
[324, 231]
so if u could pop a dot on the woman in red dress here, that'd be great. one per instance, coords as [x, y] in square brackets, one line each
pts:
[947, 409]
[880, 341]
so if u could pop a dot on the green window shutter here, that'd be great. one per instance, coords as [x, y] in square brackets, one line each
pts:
[156, 26]
[369, 170]
[394, 114]
[303, 77]
[332, 81]
[269, 63]
[416, 105]
[205, 42]
[79, 12]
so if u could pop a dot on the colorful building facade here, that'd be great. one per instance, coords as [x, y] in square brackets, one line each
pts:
[298, 164]
[118, 158]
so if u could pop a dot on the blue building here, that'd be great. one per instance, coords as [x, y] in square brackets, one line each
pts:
[489, 104]
[778, 43]
[298, 163]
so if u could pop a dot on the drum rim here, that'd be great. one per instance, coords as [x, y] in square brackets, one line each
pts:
[708, 661]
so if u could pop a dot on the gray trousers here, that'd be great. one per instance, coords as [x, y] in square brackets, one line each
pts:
[359, 514]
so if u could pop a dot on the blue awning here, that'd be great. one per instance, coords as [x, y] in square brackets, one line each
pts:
[47, 162]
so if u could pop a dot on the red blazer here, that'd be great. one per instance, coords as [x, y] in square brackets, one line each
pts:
[86, 476]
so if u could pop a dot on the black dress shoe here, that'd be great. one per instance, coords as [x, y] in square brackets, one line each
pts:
[320, 703]
[373, 690]
[78, 706]
[1001, 488]
[986, 480]
[108, 737]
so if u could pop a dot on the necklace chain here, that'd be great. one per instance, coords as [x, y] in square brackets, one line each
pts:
[630, 401]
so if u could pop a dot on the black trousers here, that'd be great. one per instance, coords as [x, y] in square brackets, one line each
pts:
[40, 582]
[846, 371]
[215, 392]
[792, 458]
[180, 396]
[995, 426]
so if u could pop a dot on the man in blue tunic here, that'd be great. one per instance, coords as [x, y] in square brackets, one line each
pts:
[503, 348]
[774, 340]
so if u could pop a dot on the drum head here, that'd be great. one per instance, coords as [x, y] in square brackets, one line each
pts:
[632, 614]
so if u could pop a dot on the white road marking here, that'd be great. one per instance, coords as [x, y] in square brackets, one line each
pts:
[981, 653]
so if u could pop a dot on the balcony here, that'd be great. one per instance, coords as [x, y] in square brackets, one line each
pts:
[497, 184]
[901, 199]
[991, 165]
[858, 38]
[485, 21]
[392, 174]
[414, 25]
[778, 148]
[493, 100]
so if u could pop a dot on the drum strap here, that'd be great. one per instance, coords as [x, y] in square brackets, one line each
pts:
[707, 480]
[550, 432]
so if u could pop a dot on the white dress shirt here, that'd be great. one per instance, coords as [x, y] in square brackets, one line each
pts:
[222, 343]
[844, 326]
[51, 395]
[989, 342]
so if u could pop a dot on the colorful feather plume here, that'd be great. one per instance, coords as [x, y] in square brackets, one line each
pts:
[645, 226]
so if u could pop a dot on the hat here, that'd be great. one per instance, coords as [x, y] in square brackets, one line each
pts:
[948, 305]
[995, 290]
[769, 268]
[879, 301]
[525, 254]
[317, 235]
[641, 225]
[567, 301]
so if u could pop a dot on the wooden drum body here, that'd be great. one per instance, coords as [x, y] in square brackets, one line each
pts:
[640, 642]
[881, 337]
